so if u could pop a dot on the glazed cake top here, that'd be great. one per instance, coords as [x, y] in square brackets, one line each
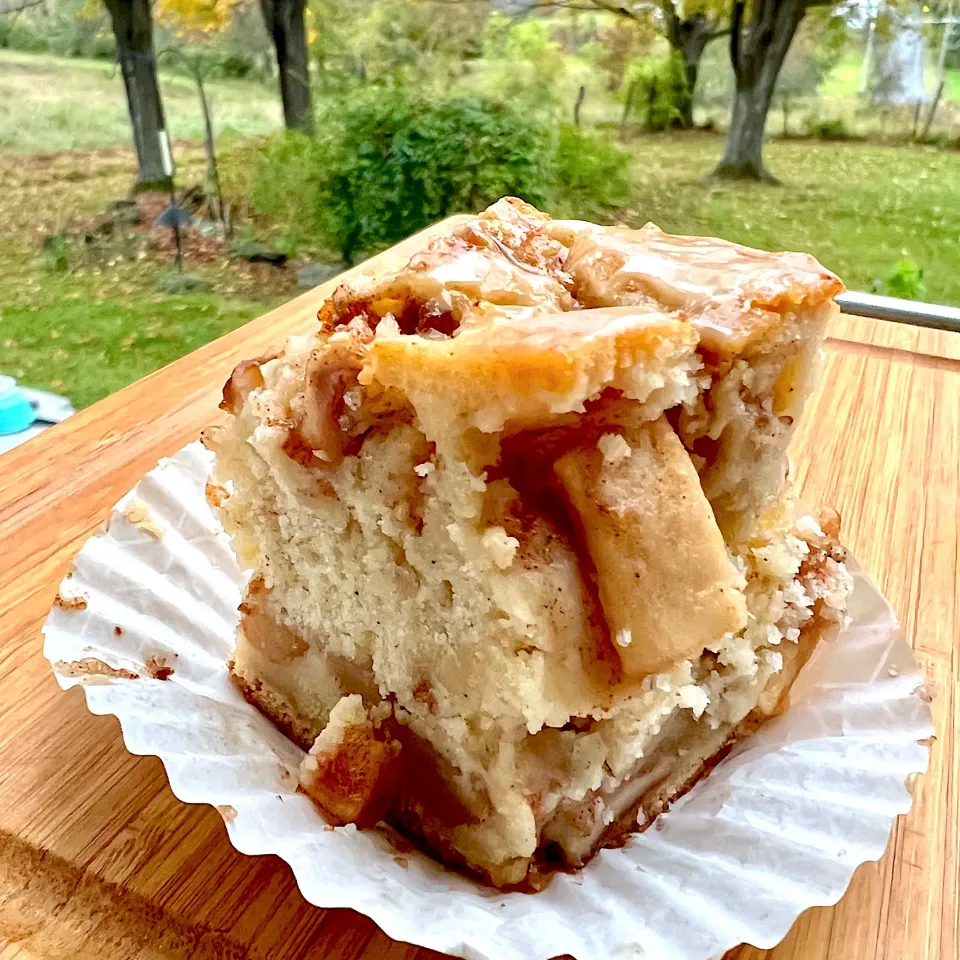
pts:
[544, 314]
[513, 294]
[734, 295]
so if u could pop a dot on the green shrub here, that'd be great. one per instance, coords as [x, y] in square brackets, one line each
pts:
[216, 63]
[657, 89]
[592, 176]
[283, 184]
[398, 164]
[905, 280]
[391, 163]
[828, 129]
[20, 34]
[525, 65]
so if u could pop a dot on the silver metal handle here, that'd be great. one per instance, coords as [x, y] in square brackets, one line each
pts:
[901, 311]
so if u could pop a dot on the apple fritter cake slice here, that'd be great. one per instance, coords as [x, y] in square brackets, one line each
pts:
[522, 560]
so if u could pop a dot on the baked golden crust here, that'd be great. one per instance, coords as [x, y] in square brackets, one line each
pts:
[529, 365]
[490, 305]
[546, 313]
[733, 294]
[356, 780]
[503, 257]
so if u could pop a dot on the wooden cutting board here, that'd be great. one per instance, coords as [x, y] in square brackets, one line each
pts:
[99, 860]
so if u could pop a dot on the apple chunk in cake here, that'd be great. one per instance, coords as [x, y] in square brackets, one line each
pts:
[522, 561]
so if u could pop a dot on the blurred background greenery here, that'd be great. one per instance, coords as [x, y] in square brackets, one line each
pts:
[421, 108]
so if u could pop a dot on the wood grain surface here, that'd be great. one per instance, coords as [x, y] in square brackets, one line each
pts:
[99, 860]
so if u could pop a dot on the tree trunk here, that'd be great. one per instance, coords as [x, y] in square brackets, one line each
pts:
[627, 108]
[285, 23]
[133, 29]
[689, 38]
[743, 155]
[581, 96]
[690, 69]
[941, 71]
[694, 43]
[213, 173]
[757, 58]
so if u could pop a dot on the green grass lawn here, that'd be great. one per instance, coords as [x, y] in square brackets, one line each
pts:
[844, 79]
[103, 323]
[49, 103]
[88, 351]
[101, 326]
[858, 208]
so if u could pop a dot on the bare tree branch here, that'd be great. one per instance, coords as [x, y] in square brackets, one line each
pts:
[15, 6]
[587, 7]
[630, 11]
[671, 22]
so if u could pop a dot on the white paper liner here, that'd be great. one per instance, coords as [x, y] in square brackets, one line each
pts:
[776, 828]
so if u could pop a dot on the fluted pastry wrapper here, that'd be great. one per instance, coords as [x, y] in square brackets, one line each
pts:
[146, 622]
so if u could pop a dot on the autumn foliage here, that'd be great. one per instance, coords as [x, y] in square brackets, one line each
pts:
[194, 19]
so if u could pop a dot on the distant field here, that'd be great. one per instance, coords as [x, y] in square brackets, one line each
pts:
[951, 89]
[839, 99]
[49, 104]
[844, 79]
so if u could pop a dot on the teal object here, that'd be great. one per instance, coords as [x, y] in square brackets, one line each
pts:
[16, 411]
